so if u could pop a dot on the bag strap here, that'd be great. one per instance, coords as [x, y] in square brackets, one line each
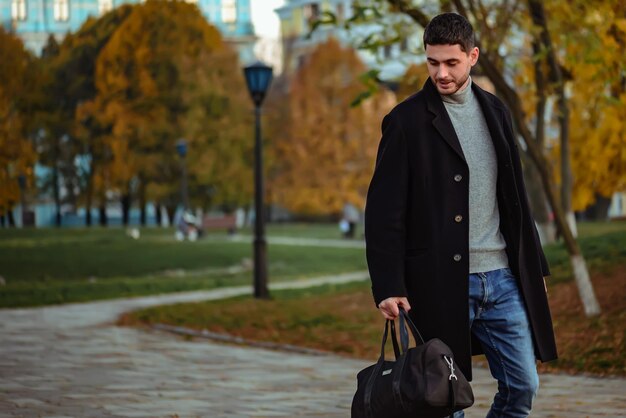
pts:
[369, 387]
[394, 340]
[404, 336]
[452, 391]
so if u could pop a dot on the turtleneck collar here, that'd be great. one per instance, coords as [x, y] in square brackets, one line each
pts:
[459, 97]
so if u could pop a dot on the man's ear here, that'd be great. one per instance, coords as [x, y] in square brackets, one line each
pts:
[473, 55]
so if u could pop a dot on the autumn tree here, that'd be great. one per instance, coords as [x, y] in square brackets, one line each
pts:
[591, 48]
[72, 69]
[166, 74]
[17, 156]
[325, 149]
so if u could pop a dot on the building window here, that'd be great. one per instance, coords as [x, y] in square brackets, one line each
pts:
[61, 10]
[105, 6]
[311, 12]
[18, 9]
[229, 11]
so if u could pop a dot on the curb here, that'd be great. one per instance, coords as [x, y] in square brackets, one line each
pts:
[232, 339]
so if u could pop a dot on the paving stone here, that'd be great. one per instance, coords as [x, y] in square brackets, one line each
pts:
[70, 361]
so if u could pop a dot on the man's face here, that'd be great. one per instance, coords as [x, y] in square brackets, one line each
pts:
[449, 66]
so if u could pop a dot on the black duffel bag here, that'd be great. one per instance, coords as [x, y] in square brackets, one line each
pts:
[422, 382]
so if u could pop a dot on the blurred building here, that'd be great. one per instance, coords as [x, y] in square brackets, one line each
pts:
[298, 16]
[35, 20]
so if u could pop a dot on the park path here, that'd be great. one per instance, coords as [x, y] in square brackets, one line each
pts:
[72, 361]
[284, 240]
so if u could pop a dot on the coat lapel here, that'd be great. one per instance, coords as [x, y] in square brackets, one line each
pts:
[495, 120]
[441, 120]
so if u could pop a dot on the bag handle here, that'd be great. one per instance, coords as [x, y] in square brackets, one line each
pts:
[394, 341]
[369, 387]
[404, 334]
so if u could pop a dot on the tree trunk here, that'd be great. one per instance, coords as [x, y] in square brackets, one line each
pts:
[142, 203]
[566, 219]
[567, 178]
[89, 197]
[125, 200]
[157, 213]
[538, 206]
[171, 211]
[88, 220]
[2, 220]
[57, 195]
[10, 217]
[536, 195]
[102, 209]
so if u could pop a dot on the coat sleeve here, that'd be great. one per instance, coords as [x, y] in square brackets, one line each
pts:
[524, 197]
[385, 214]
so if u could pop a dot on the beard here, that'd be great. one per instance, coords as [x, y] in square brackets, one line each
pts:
[453, 85]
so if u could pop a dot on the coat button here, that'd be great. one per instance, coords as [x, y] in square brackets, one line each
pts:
[457, 257]
[458, 218]
[458, 178]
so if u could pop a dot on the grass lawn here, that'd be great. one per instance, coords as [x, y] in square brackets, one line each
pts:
[47, 266]
[343, 319]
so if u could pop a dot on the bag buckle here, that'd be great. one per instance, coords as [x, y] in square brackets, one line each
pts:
[450, 363]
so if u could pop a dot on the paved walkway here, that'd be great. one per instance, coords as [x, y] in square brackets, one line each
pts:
[70, 361]
[291, 241]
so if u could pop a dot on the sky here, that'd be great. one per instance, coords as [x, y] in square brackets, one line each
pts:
[264, 18]
[267, 28]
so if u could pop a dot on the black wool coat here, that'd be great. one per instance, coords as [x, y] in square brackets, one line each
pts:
[414, 245]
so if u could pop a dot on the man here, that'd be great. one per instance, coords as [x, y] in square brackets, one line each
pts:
[448, 228]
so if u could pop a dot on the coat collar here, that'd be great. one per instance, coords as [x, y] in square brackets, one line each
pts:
[493, 116]
[441, 121]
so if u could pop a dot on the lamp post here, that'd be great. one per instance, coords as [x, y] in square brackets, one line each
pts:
[258, 78]
[181, 148]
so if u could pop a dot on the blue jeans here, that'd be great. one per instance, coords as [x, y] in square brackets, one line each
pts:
[498, 319]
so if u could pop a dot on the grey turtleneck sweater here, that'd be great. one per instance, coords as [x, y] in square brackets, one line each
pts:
[486, 244]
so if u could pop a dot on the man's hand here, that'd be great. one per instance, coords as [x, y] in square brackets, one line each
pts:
[389, 307]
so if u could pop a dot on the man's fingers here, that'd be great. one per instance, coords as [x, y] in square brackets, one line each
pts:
[390, 307]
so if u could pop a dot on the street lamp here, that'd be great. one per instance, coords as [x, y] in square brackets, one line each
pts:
[181, 148]
[258, 78]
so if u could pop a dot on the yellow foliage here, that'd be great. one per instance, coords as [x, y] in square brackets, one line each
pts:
[16, 154]
[593, 51]
[166, 74]
[323, 149]
[589, 40]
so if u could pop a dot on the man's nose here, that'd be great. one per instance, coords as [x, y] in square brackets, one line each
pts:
[443, 71]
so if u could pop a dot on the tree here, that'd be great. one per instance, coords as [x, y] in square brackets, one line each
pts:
[74, 63]
[166, 74]
[17, 156]
[592, 51]
[324, 151]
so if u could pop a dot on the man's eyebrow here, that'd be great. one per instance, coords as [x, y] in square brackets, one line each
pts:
[449, 61]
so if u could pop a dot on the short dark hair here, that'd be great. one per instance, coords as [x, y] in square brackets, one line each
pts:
[449, 29]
